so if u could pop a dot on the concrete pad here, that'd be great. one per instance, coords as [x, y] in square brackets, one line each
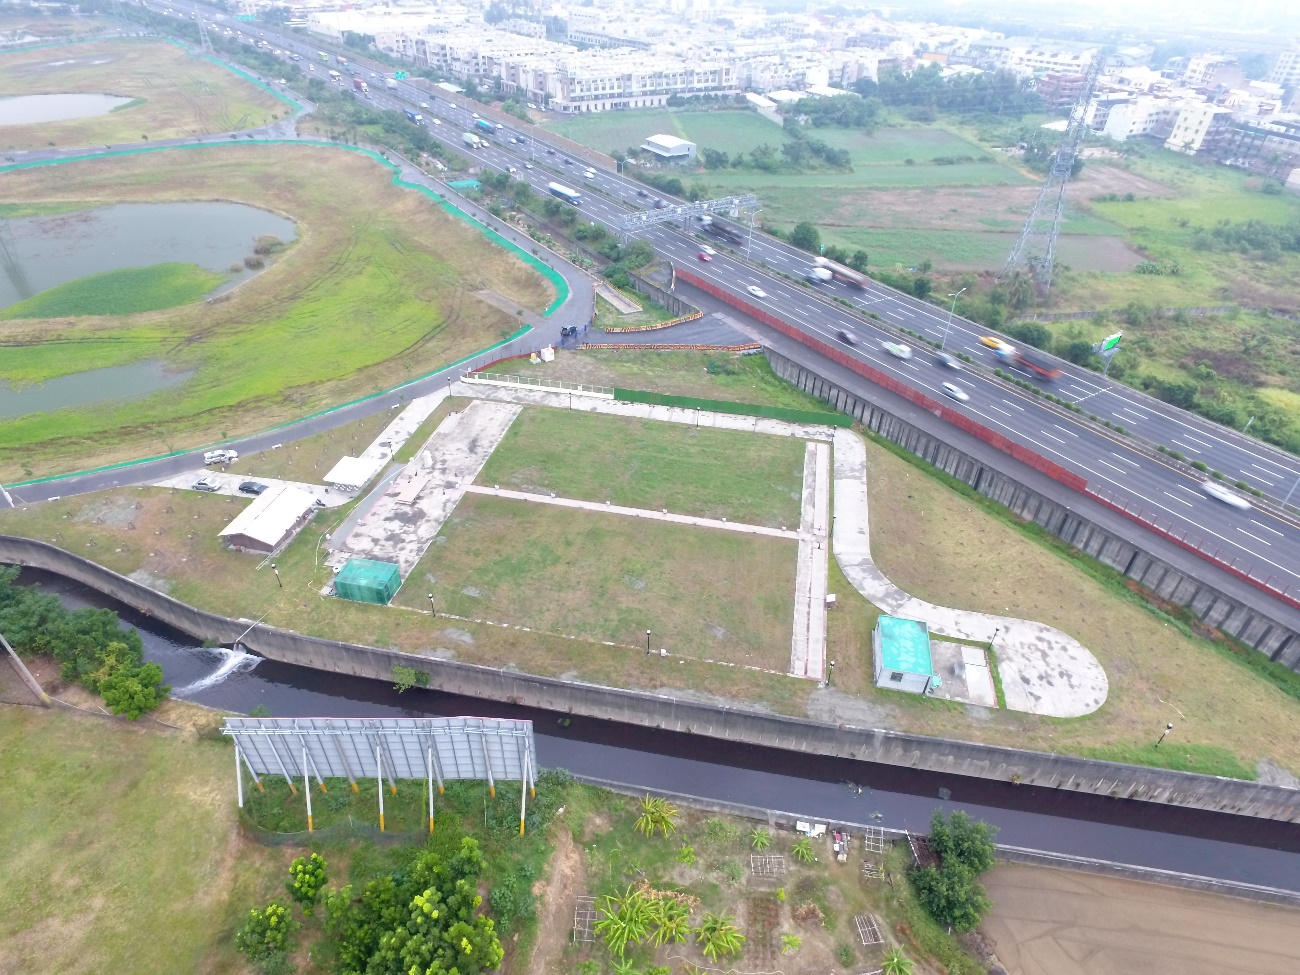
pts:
[1061, 922]
[808, 639]
[963, 673]
[228, 484]
[399, 530]
[1044, 671]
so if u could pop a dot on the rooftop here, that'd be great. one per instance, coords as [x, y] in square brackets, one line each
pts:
[668, 142]
[271, 515]
[905, 646]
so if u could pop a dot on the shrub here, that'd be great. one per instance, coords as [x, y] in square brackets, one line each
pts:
[1243, 486]
[306, 878]
[952, 896]
[1217, 475]
[266, 932]
[657, 816]
[1200, 465]
[803, 851]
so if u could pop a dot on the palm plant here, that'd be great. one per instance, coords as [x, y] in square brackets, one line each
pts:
[896, 963]
[790, 943]
[672, 921]
[625, 920]
[759, 838]
[719, 935]
[803, 850]
[658, 815]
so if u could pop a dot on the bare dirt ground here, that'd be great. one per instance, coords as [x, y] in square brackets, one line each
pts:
[566, 880]
[1056, 922]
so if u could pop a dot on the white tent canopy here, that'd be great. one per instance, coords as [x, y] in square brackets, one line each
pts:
[353, 473]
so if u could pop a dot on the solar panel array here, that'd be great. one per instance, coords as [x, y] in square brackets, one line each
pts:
[493, 749]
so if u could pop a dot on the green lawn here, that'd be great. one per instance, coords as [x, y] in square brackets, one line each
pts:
[122, 292]
[731, 131]
[703, 592]
[743, 477]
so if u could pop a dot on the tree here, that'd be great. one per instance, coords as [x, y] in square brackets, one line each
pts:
[962, 840]
[896, 963]
[657, 816]
[1019, 289]
[922, 286]
[806, 237]
[719, 936]
[133, 691]
[266, 932]
[306, 880]
[951, 895]
[1034, 333]
[858, 261]
[759, 838]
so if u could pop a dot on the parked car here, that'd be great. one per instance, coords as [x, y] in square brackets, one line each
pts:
[847, 337]
[220, 457]
[897, 350]
[252, 487]
[206, 484]
[956, 392]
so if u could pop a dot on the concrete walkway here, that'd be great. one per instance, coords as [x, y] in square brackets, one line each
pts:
[401, 525]
[228, 484]
[1043, 670]
[648, 513]
[808, 641]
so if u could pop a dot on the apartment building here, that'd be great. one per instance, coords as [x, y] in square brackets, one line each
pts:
[1121, 117]
[1286, 69]
[1032, 56]
[1199, 125]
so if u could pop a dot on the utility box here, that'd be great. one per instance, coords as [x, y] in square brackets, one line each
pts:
[902, 652]
[368, 581]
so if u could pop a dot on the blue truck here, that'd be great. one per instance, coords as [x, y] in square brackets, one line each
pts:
[487, 126]
[414, 116]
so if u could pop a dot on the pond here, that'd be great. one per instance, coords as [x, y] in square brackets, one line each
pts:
[45, 251]
[115, 384]
[27, 109]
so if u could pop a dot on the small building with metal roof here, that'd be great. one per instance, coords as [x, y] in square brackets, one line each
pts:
[271, 521]
[902, 655]
[669, 148]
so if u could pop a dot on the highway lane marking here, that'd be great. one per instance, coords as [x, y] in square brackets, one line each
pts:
[1188, 436]
[1267, 529]
[1124, 459]
[1249, 535]
[1178, 499]
[1058, 440]
[1268, 471]
[1134, 412]
[1063, 430]
[999, 409]
[1260, 479]
[1188, 490]
[1184, 446]
[1013, 405]
[1111, 466]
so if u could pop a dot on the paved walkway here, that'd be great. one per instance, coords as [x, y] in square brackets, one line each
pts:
[401, 525]
[648, 513]
[808, 641]
[1043, 670]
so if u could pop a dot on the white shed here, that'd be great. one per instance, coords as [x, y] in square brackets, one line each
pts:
[271, 521]
[669, 148]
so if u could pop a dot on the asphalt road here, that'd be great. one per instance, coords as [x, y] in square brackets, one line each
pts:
[1253, 540]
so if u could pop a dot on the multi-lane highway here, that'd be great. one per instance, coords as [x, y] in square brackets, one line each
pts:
[1253, 540]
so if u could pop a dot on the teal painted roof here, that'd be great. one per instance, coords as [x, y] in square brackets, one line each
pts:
[905, 646]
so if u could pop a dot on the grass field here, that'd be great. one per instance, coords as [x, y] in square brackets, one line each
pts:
[703, 593]
[380, 287]
[127, 291]
[120, 848]
[176, 94]
[310, 458]
[748, 478]
[607, 316]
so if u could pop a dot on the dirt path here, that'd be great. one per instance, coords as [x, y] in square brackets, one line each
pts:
[1055, 922]
[555, 920]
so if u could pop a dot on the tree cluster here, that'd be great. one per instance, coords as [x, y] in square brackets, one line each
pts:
[1250, 237]
[847, 111]
[92, 650]
[951, 892]
[925, 93]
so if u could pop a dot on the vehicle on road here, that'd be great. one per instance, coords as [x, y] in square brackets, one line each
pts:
[1038, 364]
[565, 193]
[206, 484]
[485, 126]
[390, 84]
[252, 487]
[819, 275]
[424, 105]
[1221, 493]
[843, 274]
[642, 193]
[848, 338]
[359, 85]
[528, 165]
[589, 175]
[471, 140]
[897, 349]
[997, 345]
[436, 121]
[950, 361]
[704, 257]
[956, 392]
[220, 456]
[756, 291]
[414, 116]
[718, 229]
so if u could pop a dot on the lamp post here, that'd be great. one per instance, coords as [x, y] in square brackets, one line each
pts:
[830, 673]
[277, 576]
[749, 242]
[432, 609]
[951, 309]
[647, 642]
[1168, 728]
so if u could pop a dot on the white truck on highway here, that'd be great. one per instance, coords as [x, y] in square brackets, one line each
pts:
[390, 84]
[819, 275]
[471, 140]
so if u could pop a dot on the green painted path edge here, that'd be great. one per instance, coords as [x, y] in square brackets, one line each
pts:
[548, 272]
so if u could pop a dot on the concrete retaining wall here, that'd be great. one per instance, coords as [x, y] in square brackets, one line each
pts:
[654, 711]
[1250, 626]
[666, 298]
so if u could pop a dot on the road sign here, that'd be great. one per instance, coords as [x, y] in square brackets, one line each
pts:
[245, 17]
[1110, 342]
[399, 75]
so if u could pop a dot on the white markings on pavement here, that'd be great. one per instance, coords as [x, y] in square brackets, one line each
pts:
[1267, 529]
[1184, 446]
[1013, 405]
[1255, 537]
[1059, 440]
[1111, 466]
[1124, 459]
[1063, 430]
[1176, 498]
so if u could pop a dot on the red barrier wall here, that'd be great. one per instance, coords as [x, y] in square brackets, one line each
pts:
[928, 403]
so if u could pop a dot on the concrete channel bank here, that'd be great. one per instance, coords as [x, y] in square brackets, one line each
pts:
[1279, 641]
[655, 711]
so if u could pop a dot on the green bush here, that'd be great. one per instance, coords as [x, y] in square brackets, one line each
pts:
[306, 880]
[1200, 465]
[266, 932]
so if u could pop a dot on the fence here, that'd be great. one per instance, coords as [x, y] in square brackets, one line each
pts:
[742, 409]
[930, 405]
[498, 379]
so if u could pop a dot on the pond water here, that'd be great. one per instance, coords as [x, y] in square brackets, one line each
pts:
[26, 109]
[113, 384]
[42, 252]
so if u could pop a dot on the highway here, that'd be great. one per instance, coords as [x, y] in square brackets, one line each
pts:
[1253, 541]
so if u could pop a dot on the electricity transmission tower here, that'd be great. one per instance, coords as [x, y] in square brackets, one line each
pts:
[205, 42]
[1036, 246]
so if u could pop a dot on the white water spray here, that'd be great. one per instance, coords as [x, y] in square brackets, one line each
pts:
[232, 662]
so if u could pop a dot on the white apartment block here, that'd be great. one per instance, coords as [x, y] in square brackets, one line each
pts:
[1193, 124]
[1286, 69]
[1121, 117]
[1202, 68]
[1029, 56]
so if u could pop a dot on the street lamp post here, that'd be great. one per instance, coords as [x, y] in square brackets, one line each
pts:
[1168, 728]
[432, 608]
[951, 309]
[830, 673]
[277, 576]
[647, 642]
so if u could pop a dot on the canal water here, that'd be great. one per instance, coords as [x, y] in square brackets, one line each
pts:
[111, 384]
[28, 109]
[42, 252]
[1207, 844]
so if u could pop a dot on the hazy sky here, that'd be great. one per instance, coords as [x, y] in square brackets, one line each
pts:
[1157, 15]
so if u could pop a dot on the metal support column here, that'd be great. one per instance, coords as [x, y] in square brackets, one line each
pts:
[523, 795]
[306, 789]
[239, 778]
[430, 780]
[343, 760]
[487, 759]
[379, 781]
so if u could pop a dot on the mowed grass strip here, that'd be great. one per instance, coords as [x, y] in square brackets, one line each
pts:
[752, 479]
[379, 287]
[175, 93]
[702, 593]
[120, 848]
[122, 292]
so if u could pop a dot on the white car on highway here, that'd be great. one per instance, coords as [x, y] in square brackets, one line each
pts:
[1221, 493]
[756, 291]
[956, 392]
[897, 350]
